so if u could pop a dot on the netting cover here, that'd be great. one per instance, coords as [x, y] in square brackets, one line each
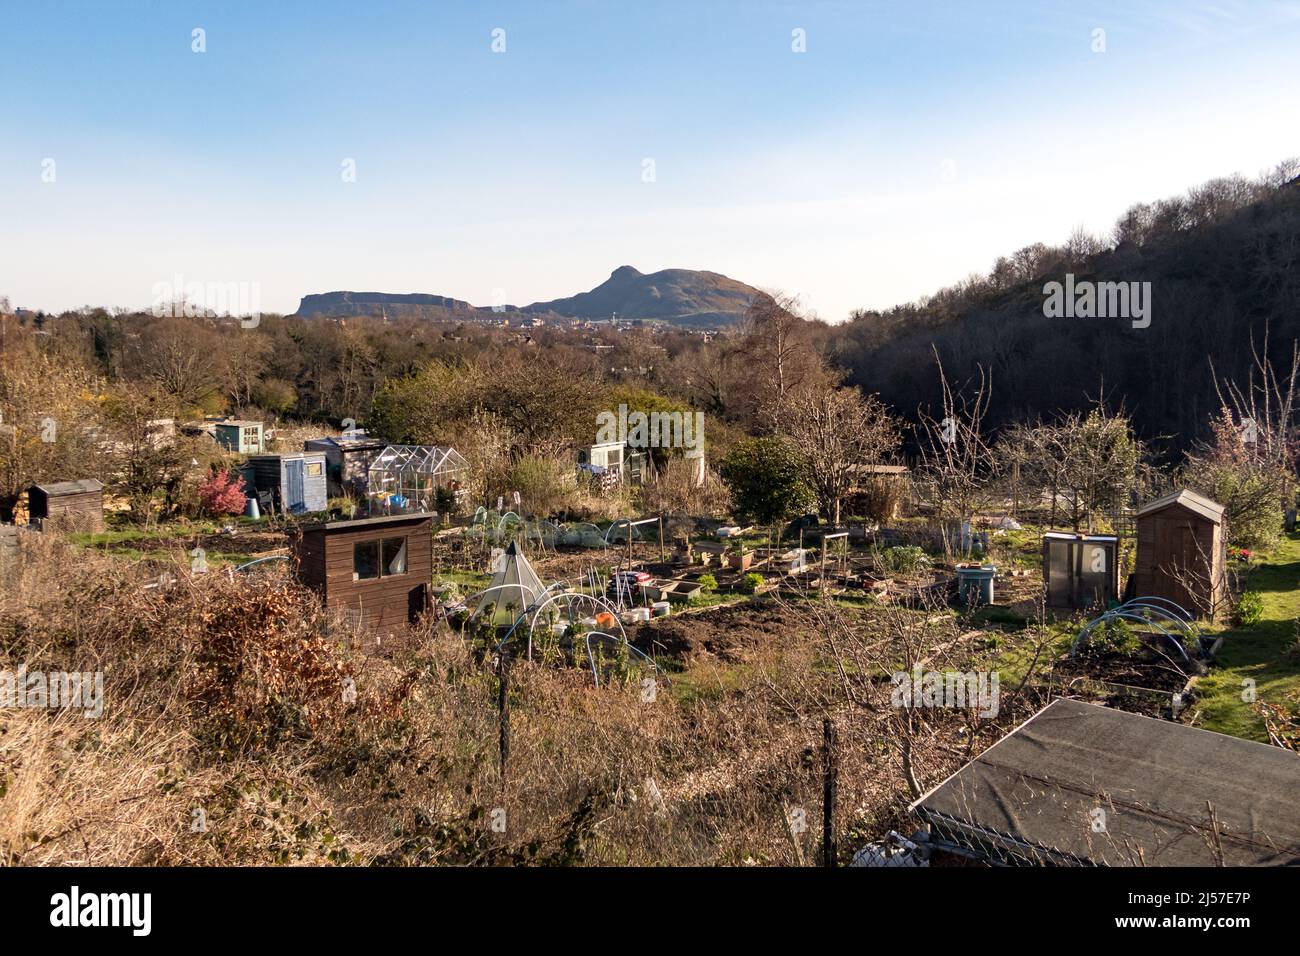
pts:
[514, 582]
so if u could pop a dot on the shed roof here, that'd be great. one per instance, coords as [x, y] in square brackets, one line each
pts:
[1188, 499]
[356, 524]
[350, 442]
[1035, 793]
[79, 487]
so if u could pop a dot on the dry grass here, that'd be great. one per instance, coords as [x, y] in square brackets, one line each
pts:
[225, 704]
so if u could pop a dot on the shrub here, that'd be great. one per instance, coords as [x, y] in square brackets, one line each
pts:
[751, 582]
[444, 501]
[708, 583]
[1250, 608]
[882, 497]
[902, 559]
[1114, 637]
[223, 493]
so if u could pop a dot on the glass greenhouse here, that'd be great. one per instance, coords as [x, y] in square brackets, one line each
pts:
[405, 478]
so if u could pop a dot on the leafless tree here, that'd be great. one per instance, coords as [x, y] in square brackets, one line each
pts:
[957, 467]
[838, 431]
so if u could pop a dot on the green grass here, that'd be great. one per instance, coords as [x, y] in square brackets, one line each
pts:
[1257, 652]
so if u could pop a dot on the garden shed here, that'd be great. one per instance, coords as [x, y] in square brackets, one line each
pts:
[1182, 551]
[404, 478]
[347, 460]
[75, 505]
[379, 567]
[241, 437]
[293, 483]
[1080, 570]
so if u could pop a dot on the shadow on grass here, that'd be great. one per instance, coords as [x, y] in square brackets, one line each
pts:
[1255, 661]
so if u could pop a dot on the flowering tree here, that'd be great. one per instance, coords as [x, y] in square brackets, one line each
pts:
[223, 493]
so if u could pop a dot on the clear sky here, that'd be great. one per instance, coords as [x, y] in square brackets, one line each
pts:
[908, 146]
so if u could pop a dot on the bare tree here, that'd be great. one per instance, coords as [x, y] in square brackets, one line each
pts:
[957, 468]
[838, 431]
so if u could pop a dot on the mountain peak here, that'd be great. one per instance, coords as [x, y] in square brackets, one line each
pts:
[676, 296]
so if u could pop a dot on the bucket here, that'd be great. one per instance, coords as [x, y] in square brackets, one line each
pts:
[975, 585]
[659, 609]
[251, 509]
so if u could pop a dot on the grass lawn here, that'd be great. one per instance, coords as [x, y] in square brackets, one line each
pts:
[1258, 652]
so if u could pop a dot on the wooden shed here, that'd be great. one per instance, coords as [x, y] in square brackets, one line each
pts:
[292, 483]
[74, 505]
[1182, 551]
[241, 437]
[379, 567]
[347, 460]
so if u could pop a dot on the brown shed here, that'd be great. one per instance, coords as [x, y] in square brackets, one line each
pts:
[1181, 551]
[380, 567]
[73, 505]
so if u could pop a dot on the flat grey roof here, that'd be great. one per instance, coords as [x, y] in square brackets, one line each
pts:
[1036, 794]
[355, 523]
[78, 487]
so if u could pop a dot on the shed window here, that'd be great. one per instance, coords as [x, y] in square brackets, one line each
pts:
[365, 561]
[250, 435]
[394, 556]
[314, 469]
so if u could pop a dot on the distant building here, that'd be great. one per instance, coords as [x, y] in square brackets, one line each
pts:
[73, 505]
[292, 483]
[241, 437]
[348, 458]
[612, 462]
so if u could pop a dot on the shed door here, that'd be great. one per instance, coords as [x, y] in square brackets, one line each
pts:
[294, 501]
[1175, 559]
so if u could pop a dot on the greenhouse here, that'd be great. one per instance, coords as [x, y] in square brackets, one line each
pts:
[407, 478]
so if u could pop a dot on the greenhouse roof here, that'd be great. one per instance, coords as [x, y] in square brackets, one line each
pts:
[419, 459]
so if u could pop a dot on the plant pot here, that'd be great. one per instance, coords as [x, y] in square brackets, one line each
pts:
[741, 562]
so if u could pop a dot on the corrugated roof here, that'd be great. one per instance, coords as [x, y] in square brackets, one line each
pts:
[1036, 794]
[1188, 499]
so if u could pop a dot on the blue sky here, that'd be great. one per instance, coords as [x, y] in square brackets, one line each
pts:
[907, 147]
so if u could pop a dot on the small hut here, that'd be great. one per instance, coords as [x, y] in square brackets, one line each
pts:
[348, 459]
[1080, 570]
[241, 437]
[378, 567]
[292, 483]
[75, 505]
[1182, 551]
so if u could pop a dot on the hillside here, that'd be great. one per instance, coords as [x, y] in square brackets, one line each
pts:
[676, 296]
[394, 305]
[1218, 277]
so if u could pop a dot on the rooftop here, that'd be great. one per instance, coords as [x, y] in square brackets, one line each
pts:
[1036, 794]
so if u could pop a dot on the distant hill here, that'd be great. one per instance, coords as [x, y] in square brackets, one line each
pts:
[676, 296]
[394, 305]
[679, 296]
